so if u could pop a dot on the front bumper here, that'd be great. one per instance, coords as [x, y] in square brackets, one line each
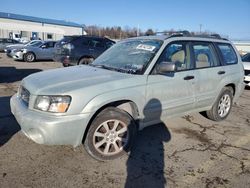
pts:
[49, 129]
[18, 55]
[247, 80]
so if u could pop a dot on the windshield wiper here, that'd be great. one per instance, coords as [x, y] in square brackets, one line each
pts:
[103, 66]
[129, 71]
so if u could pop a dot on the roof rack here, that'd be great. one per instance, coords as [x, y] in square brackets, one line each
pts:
[175, 33]
[186, 33]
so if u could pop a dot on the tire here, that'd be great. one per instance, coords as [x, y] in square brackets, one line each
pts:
[29, 57]
[110, 135]
[86, 60]
[222, 106]
[65, 65]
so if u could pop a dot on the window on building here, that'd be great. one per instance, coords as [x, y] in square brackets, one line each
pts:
[24, 34]
[49, 36]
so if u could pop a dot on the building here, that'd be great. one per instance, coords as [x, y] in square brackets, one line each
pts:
[242, 46]
[28, 27]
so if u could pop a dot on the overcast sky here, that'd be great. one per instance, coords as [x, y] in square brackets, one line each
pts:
[226, 17]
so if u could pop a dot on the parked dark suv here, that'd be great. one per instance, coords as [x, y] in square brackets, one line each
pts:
[76, 50]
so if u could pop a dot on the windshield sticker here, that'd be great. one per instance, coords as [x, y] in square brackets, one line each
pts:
[145, 47]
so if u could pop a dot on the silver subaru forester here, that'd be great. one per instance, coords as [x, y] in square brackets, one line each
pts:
[136, 83]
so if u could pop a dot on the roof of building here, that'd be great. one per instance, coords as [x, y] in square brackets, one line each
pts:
[36, 19]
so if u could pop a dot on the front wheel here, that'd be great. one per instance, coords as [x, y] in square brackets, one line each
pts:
[29, 57]
[110, 135]
[222, 106]
[86, 60]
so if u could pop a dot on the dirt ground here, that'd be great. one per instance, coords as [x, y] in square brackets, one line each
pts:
[189, 151]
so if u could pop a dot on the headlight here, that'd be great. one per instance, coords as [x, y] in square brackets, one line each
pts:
[59, 104]
[22, 50]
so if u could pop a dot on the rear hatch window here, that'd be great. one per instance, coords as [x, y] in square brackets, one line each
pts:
[65, 40]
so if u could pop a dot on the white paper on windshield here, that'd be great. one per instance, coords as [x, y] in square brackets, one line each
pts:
[145, 47]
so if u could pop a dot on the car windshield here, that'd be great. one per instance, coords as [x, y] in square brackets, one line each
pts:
[36, 44]
[31, 42]
[130, 56]
[66, 39]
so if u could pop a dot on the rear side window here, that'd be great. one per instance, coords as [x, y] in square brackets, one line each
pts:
[205, 55]
[92, 43]
[228, 54]
[50, 44]
[109, 44]
[96, 43]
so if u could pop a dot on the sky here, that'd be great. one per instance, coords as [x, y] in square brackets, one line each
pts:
[229, 18]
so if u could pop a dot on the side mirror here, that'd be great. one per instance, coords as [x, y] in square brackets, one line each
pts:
[166, 67]
[44, 46]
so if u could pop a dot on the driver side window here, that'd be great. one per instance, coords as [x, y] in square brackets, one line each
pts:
[178, 53]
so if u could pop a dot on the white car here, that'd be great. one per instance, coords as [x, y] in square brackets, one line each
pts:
[246, 64]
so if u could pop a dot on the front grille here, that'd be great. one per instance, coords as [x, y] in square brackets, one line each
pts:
[247, 72]
[24, 95]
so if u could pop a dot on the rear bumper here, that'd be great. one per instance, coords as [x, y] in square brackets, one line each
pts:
[66, 60]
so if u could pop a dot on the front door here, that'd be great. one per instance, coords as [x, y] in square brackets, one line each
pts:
[46, 50]
[172, 93]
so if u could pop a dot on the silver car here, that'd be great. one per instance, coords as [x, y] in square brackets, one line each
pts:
[41, 50]
[136, 83]
[246, 64]
[11, 49]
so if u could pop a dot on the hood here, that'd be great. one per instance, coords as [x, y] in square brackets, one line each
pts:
[65, 80]
[15, 45]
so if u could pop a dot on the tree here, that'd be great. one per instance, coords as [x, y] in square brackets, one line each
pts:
[149, 32]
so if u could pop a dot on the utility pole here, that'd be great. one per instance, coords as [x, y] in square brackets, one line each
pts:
[138, 31]
[200, 27]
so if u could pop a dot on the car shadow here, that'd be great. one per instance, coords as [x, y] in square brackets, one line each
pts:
[11, 74]
[8, 125]
[145, 165]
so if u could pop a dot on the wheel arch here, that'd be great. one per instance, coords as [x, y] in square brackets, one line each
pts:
[126, 105]
[31, 53]
[84, 56]
[232, 86]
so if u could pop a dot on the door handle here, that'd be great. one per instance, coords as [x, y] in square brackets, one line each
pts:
[188, 78]
[221, 72]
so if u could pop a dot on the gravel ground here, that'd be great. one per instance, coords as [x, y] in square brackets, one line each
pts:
[189, 151]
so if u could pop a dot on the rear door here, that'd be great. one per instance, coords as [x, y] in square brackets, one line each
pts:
[209, 73]
[172, 93]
